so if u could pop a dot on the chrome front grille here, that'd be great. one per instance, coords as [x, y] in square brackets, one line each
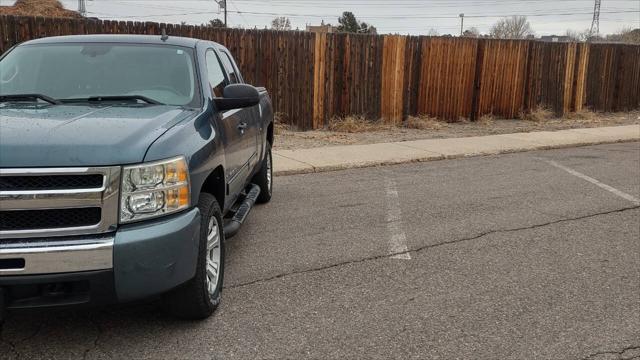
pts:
[49, 219]
[58, 201]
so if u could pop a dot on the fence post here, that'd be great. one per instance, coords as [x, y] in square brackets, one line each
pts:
[392, 94]
[319, 71]
[477, 81]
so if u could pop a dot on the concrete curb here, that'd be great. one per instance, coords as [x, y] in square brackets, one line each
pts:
[332, 158]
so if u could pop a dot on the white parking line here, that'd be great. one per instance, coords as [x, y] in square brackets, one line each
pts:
[582, 176]
[398, 240]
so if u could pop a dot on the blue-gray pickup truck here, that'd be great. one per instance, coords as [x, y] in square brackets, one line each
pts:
[125, 163]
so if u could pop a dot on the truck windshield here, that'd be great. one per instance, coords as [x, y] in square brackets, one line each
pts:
[164, 74]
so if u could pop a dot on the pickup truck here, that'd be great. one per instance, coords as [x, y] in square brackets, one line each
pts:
[125, 163]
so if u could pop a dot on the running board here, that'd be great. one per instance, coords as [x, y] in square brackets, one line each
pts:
[232, 226]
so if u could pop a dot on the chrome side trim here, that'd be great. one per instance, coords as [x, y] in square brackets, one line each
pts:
[105, 197]
[60, 257]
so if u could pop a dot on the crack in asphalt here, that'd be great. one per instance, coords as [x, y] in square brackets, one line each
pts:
[95, 346]
[430, 246]
[13, 344]
[619, 353]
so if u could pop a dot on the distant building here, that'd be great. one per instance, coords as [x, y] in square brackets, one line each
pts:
[555, 38]
[322, 28]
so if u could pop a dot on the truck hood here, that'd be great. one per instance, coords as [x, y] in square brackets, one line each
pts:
[81, 135]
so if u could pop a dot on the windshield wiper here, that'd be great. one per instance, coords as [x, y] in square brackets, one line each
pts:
[22, 97]
[115, 98]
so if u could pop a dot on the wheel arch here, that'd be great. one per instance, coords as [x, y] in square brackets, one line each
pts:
[215, 185]
[270, 133]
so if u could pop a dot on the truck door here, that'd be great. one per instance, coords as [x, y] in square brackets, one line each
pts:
[230, 123]
[249, 116]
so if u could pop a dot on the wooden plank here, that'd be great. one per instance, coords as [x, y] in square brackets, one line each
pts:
[319, 74]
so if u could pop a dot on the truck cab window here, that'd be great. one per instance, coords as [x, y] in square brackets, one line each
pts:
[215, 74]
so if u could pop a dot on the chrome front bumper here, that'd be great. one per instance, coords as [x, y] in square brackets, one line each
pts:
[30, 257]
[136, 261]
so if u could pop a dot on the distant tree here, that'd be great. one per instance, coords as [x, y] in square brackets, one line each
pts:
[217, 23]
[368, 29]
[577, 36]
[349, 24]
[515, 27]
[281, 23]
[183, 23]
[626, 35]
[471, 32]
[433, 32]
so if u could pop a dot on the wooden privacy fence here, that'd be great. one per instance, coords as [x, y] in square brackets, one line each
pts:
[313, 78]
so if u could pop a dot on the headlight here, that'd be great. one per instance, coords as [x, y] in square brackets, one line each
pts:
[154, 189]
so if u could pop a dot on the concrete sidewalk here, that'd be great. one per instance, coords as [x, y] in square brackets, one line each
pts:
[289, 162]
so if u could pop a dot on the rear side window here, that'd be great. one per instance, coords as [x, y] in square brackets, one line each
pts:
[234, 76]
[215, 74]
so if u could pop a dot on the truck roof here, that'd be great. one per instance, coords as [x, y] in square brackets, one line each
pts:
[124, 39]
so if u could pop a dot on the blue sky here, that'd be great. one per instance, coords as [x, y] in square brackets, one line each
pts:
[389, 16]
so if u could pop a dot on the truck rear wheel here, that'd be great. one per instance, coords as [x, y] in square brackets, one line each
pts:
[200, 296]
[264, 178]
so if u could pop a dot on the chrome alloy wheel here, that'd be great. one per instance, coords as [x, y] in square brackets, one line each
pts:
[213, 255]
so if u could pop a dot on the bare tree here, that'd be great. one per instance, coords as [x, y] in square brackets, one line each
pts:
[281, 23]
[577, 36]
[626, 35]
[515, 27]
[433, 32]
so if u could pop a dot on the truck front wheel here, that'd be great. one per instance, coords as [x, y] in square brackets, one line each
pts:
[200, 296]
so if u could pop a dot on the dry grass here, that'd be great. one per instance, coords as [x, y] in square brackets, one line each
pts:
[47, 8]
[583, 115]
[486, 120]
[279, 124]
[424, 122]
[356, 124]
[541, 114]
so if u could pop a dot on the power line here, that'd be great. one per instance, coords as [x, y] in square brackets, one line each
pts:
[375, 17]
[241, 15]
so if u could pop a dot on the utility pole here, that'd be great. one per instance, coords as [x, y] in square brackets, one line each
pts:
[461, 24]
[595, 24]
[82, 7]
[222, 4]
[225, 12]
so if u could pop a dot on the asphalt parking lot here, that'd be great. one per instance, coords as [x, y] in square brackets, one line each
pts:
[521, 256]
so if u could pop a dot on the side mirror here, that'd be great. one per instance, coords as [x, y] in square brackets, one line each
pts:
[237, 96]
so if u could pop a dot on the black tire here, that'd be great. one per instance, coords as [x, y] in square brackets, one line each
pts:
[262, 178]
[192, 300]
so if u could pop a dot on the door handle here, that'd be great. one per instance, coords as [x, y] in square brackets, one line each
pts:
[242, 126]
